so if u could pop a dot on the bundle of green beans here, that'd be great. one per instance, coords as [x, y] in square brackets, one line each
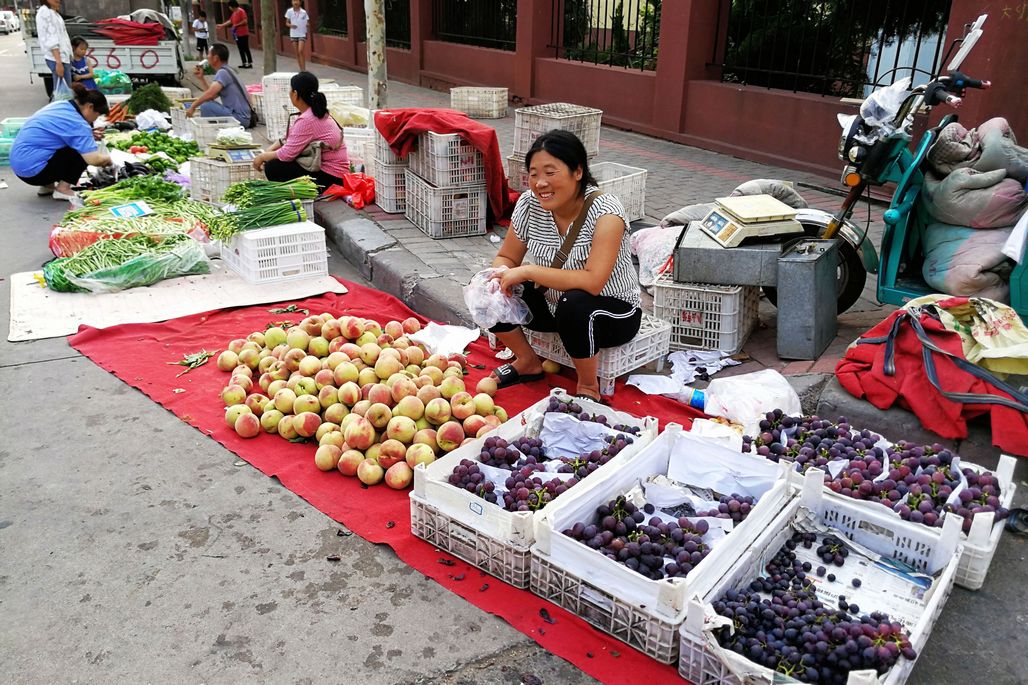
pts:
[128, 261]
[229, 224]
[258, 192]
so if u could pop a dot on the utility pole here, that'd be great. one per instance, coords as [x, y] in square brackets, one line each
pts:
[269, 36]
[212, 19]
[186, 8]
[374, 21]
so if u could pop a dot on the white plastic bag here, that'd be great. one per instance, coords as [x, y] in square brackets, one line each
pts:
[747, 398]
[62, 91]
[881, 107]
[151, 118]
[235, 135]
[488, 305]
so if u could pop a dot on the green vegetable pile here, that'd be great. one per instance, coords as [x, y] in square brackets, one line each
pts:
[150, 188]
[128, 262]
[229, 224]
[155, 141]
[259, 192]
[149, 96]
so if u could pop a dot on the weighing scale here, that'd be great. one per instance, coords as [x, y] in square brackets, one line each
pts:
[736, 219]
[234, 154]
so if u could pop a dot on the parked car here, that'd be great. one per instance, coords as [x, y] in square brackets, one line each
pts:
[9, 22]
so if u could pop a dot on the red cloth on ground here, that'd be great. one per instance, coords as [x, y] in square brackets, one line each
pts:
[125, 32]
[862, 372]
[138, 355]
[400, 128]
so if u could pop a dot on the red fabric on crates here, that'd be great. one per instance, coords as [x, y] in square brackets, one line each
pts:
[125, 32]
[862, 373]
[400, 128]
[139, 354]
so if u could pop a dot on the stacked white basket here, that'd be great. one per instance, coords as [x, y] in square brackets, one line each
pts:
[389, 174]
[276, 105]
[210, 178]
[446, 193]
[480, 103]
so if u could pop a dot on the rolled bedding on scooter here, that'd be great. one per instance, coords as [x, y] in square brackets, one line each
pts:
[965, 261]
[967, 197]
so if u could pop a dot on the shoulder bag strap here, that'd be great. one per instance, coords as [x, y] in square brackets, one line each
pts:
[573, 230]
[246, 96]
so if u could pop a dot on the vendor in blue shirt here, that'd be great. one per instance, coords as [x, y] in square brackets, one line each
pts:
[55, 145]
[234, 101]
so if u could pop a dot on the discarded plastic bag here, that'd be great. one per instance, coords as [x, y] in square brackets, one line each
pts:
[747, 398]
[489, 305]
[358, 190]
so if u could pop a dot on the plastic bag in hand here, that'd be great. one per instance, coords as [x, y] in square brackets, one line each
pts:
[489, 305]
[62, 91]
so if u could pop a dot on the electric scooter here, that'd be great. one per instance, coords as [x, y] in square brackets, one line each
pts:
[876, 153]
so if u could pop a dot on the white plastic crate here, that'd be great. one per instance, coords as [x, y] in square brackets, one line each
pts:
[446, 160]
[444, 212]
[981, 541]
[117, 98]
[343, 95]
[704, 662]
[257, 100]
[176, 93]
[10, 126]
[480, 103]
[277, 113]
[210, 178]
[517, 174]
[391, 188]
[487, 535]
[205, 129]
[645, 613]
[360, 147]
[280, 253]
[383, 153]
[277, 85]
[706, 317]
[627, 183]
[5, 150]
[531, 122]
[179, 121]
[650, 344]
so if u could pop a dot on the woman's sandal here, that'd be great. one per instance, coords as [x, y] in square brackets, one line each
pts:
[507, 376]
[598, 400]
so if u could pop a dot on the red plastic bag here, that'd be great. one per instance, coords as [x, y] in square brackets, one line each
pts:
[357, 190]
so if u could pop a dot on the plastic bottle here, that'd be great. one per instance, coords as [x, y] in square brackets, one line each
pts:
[696, 399]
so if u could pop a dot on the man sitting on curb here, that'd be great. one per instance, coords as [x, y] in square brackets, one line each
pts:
[234, 101]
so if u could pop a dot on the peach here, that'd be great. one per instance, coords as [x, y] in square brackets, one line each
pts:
[436, 361]
[274, 387]
[228, 360]
[429, 392]
[335, 413]
[325, 428]
[419, 453]
[347, 420]
[270, 419]
[335, 345]
[379, 415]
[360, 434]
[309, 366]
[297, 338]
[386, 366]
[473, 424]
[500, 413]
[305, 386]
[401, 428]
[312, 325]
[403, 387]
[379, 394]
[345, 372]
[484, 404]
[306, 403]
[333, 437]
[393, 329]
[434, 373]
[233, 413]
[367, 376]
[233, 394]
[328, 396]
[367, 338]
[450, 435]
[422, 423]
[237, 345]
[370, 473]
[457, 357]
[266, 363]
[318, 346]
[327, 457]
[247, 426]
[286, 428]
[284, 400]
[369, 353]
[492, 421]
[331, 329]
[462, 406]
[292, 358]
[411, 407]
[352, 328]
[450, 387]
[279, 372]
[399, 476]
[274, 336]
[484, 430]
[264, 382]
[349, 460]
[360, 408]
[411, 325]
[391, 452]
[415, 355]
[487, 385]
[349, 393]
[437, 411]
[244, 382]
[427, 436]
[373, 452]
[306, 424]
[453, 372]
[256, 403]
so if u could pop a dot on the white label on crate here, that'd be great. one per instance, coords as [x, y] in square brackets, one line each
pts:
[461, 208]
[692, 318]
[476, 508]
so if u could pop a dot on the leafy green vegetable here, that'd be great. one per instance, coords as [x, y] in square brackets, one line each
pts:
[155, 141]
[149, 96]
[258, 192]
[261, 216]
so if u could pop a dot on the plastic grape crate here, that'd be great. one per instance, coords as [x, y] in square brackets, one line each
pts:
[10, 126]
[280, 253]
[179, 121]
[391, 188]
[205, 129]
[480, 103]
[706, 317]
[703, 664]
[627, 183]
[644, 613]
[981, 541]
[531, 122]
[446, 160]
[209, 179]
[652, 343]
[444, 212]
[485, 534]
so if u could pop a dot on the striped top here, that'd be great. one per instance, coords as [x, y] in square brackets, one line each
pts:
[535, 227]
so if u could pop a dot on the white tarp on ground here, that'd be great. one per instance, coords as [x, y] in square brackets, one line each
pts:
[37, 312]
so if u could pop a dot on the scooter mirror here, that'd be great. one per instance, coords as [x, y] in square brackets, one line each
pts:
[968, 43]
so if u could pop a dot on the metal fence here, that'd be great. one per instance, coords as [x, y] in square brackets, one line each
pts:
[618, 33]
[331, 17]
[832, 47]
[397, 22]
[487, 23]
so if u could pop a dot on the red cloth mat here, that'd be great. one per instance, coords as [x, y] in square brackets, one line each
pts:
[139, 354]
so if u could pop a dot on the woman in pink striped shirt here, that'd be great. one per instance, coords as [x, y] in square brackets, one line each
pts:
[313, 124]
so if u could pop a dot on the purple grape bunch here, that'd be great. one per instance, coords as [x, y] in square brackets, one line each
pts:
[528, 492]
[780, 623]
[657, 549]
[735, 506]
[469, 476]
[585, 464]
[575, 409]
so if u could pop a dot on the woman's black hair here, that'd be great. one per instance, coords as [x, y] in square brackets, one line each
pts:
[566, 147]
[84, 96]
[203, 14]
[306, 86]
[77, 41]
[233, 3]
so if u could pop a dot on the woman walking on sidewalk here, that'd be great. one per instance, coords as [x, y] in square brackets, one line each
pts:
[54, 41]
[240, 30]
[297, 21]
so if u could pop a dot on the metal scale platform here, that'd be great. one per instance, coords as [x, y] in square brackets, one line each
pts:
[237, 154]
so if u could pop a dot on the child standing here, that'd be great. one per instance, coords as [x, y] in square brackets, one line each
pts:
[81, 72]
[297, 21]
[200, 30]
